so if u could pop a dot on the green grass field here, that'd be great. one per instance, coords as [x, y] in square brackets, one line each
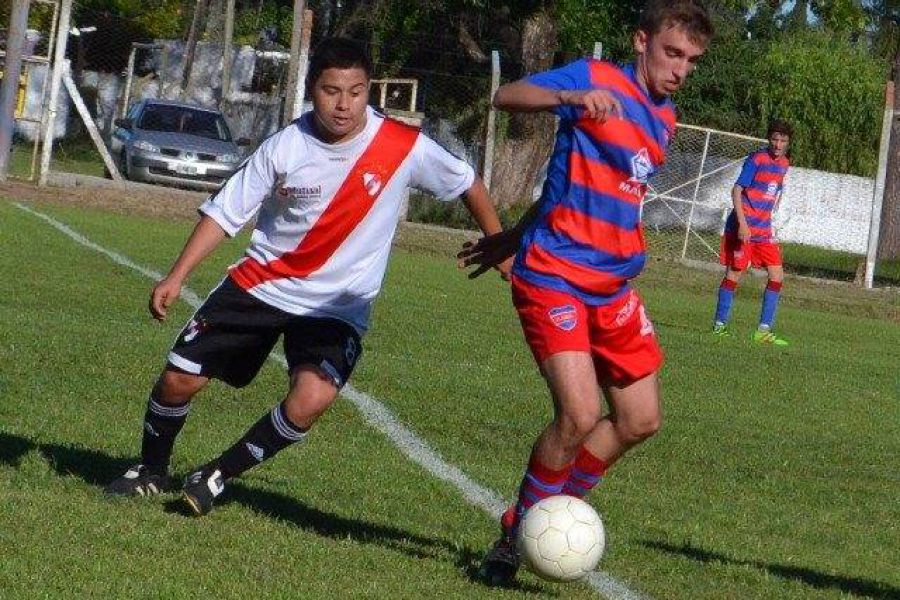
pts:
[71, 156]
[775, 474]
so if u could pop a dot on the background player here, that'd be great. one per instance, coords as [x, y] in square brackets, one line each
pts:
[578, 247]
[748, 238]
[327, 193]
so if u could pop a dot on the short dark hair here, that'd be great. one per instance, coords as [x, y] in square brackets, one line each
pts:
[690, 15]
[780, 126]
[337, 53]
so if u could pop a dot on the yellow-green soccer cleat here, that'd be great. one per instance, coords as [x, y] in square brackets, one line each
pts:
[764, 336]
[721, 330]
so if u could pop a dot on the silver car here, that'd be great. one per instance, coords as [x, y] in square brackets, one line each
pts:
[162, 141]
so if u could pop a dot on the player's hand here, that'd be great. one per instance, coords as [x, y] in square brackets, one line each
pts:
[162, 296]
[743, 233]
[490, 252]
[598, 104]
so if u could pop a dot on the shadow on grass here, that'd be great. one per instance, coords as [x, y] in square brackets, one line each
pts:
[810, 577]
[94, 467]
[97, 468]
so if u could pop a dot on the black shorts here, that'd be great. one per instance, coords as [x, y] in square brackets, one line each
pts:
[232, 334]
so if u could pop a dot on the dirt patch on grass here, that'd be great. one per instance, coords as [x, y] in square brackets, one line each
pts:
[139, 200]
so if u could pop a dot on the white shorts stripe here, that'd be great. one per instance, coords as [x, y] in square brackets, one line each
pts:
[184, 364]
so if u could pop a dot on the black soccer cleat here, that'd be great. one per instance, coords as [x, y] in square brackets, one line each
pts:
[139, 481]
[501, 563]
[202, 487]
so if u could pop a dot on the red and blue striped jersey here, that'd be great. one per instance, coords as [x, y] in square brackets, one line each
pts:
[587, 240]
[762, 178]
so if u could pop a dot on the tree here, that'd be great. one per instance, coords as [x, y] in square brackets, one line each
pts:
[831, 90]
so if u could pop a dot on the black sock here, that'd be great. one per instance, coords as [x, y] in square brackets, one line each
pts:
[268, 436]
[161, 426]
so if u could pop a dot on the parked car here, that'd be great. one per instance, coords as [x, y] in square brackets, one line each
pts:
[162, 141]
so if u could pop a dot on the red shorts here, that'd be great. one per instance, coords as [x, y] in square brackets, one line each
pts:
[618, 335]
[739, 255]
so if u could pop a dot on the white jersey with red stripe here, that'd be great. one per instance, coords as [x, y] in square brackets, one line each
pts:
[327, 213]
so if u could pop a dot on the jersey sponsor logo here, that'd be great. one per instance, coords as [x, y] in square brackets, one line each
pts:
[565, 317]
[372, 183]
[298, 193]
[255, 451]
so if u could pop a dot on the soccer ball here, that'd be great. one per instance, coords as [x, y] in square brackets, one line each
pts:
[561, 538]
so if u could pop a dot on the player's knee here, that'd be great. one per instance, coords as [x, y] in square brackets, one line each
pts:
[176, 387]
[312, 393]
[577, 425]
[639, 429]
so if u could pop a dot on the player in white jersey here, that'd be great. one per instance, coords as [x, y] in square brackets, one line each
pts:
[326, 192]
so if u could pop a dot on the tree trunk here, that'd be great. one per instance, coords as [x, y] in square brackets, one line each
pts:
[530, 137]
[889, 235]
[191, 45]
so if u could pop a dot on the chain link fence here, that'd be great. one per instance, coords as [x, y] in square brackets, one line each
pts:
[688, 199]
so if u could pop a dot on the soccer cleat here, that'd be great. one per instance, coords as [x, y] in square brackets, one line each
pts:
[202, 487]
[139, 481]
[502, 561]
[764, 336]
[721, 330]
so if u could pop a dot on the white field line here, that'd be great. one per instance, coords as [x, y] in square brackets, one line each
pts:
[378, 416]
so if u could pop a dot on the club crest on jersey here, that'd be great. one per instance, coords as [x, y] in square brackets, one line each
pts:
[641, 166]
[372, 183]
[565, 317]
[772, 189]
[641, 169]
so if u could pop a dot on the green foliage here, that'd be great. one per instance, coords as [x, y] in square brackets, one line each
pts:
[425, 209]
[581, 23]
[249, 22]
[831, 90]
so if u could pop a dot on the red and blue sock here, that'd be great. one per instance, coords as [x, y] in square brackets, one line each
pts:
[539, 482]
[587, 471]
[726, 298]
[769, 304]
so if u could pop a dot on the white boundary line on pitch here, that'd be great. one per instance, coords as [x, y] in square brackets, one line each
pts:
[378, 416]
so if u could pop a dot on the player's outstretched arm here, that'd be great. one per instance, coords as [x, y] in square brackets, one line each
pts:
[207, 235]
[521, 96]
[480, 206]
[498, 249]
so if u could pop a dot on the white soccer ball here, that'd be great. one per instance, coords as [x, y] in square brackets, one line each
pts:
[561, 538]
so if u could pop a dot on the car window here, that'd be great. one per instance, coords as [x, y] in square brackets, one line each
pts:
[181, 119]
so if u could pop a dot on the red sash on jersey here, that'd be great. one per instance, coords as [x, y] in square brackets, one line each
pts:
[351, 203]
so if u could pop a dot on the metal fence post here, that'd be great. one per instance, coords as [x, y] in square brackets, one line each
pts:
[878, 196]
[687, 233]
[59, 55]
[15, 40]
[491, 121]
